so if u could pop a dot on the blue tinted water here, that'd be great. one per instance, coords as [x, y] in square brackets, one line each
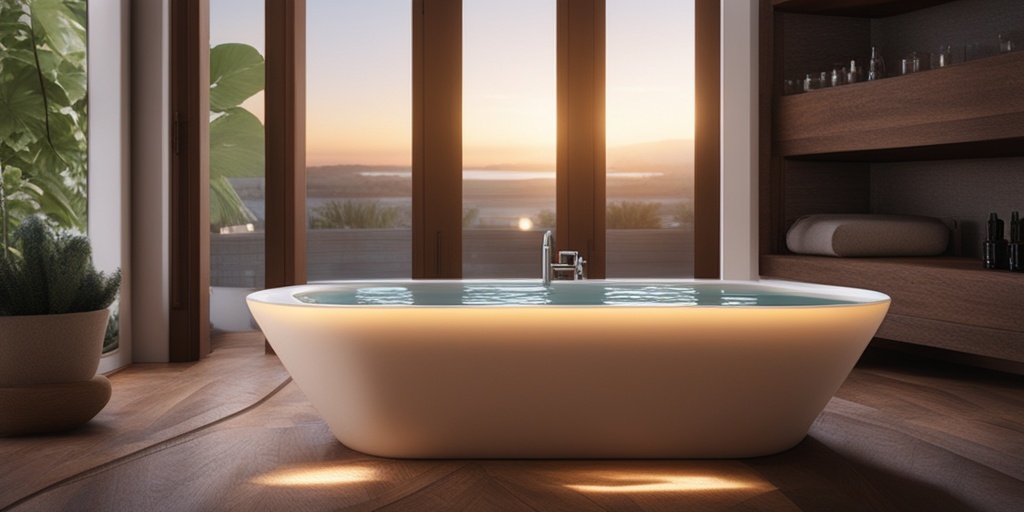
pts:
[560, 294]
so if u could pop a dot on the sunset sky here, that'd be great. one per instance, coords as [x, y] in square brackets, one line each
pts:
[359, 76]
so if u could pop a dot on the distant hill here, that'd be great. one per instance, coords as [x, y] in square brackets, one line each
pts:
[658, 156]
[354, 168]
[651, 155]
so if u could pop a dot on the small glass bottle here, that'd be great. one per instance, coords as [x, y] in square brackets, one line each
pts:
[943, 57]
[853, 75]
[1005, 44]
[876, 67]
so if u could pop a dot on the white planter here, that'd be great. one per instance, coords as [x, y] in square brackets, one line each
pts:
[48, 363]
[47, 349]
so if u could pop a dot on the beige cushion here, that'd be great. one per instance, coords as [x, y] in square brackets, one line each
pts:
[852, 235]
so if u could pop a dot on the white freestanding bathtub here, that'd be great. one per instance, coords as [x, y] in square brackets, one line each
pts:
[585, 369]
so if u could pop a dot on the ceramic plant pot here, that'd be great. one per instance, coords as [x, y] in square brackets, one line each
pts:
[48, 365]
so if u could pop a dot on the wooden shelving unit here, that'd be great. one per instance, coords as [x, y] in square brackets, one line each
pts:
[861, 8]
[960, 110]
[949, 303]
[820, 149]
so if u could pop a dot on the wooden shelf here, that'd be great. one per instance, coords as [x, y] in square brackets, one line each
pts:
[975, 109]
[858, 8]
[946, 302]
[919, 144]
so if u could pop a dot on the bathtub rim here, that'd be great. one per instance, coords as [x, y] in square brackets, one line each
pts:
[851, 297]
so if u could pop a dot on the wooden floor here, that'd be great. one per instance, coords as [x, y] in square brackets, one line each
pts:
[233, 433]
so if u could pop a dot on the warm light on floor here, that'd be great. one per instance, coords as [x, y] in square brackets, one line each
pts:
[631, 482]
[316, 476]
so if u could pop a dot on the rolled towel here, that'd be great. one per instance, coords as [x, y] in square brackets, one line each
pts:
[867, 235]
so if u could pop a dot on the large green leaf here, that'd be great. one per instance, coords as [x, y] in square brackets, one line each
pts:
[73, 78]
[236, 73]
[62, 30]
[226, 208]
[68, 144]
[16, 54]
[21, 104]
[13, 20]
[236, 145]
[43, 109]
[79, 9]
[65, 209]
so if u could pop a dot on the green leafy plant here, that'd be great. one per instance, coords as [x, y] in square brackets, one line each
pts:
[53, 275]
[236, 135]
[355, 215]
[112, 337]
[633, 215]
[43, 113]
[545, 219]
[682, 212]
[470, 216]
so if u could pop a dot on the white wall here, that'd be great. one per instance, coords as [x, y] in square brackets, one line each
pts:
[739, 151]
[150, 209]
[109, 155]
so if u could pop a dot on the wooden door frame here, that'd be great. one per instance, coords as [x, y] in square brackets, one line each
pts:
[189, 258]
[285, 111]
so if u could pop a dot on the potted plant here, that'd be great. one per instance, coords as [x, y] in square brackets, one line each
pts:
[53, 316]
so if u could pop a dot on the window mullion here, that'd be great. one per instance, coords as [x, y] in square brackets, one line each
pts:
[437, 139]
[285, 142]
[580, 179]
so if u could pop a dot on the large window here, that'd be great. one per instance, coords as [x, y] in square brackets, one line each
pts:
[358, 139]
[237, 166]
[508, 142]
[361, 213]
[477, 108]
[650, 131]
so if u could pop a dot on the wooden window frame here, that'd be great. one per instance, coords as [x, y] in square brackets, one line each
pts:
[189, 258]
[285, 146]
[707, 158]
[437, 139]
[437, 148]
[580, 168]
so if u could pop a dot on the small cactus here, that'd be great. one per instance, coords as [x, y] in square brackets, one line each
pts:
[53, 275]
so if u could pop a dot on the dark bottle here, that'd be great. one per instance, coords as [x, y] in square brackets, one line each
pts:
[996, 251]
[1015, 254]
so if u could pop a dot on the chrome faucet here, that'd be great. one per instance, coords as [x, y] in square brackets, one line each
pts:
[568, 266]
[546, 249]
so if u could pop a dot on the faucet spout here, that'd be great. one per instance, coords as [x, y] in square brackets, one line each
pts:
[547, 252]
[568, 265]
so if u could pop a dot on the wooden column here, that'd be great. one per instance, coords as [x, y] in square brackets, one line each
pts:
[189, 316]
[580, 176]
[707, 159]
[285, 134]
[437, 139]
[285, 125]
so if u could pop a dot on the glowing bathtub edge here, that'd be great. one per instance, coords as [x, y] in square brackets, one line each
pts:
[567, 381]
